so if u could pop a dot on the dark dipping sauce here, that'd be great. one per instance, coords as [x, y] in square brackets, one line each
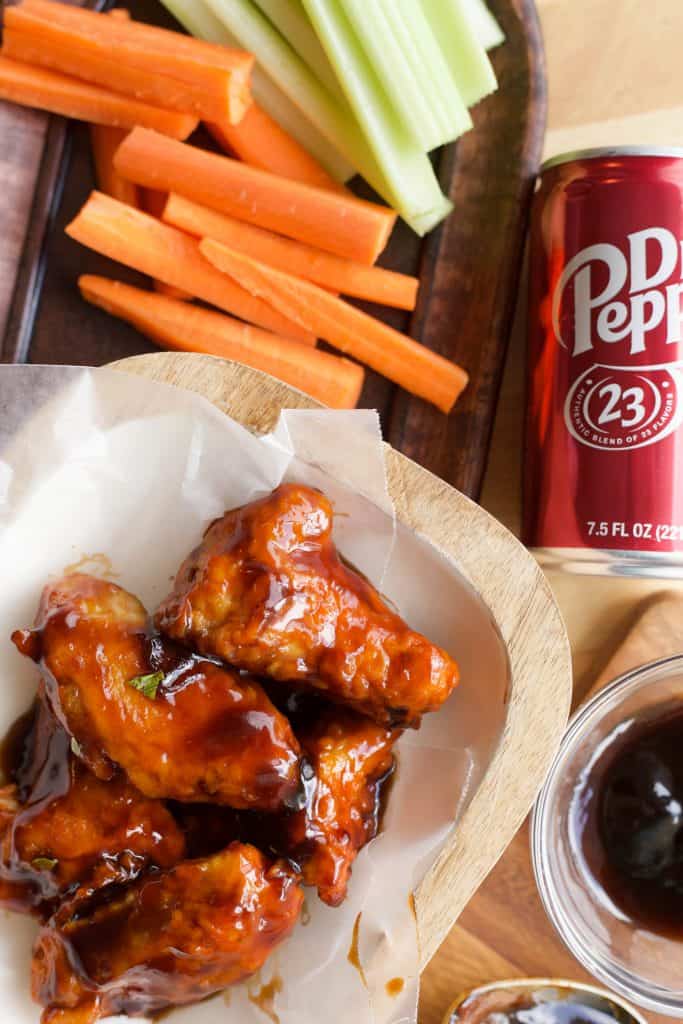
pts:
[627, 821]
[547, 1005]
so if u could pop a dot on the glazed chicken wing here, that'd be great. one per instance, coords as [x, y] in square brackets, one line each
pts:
[267, 591]
[347, 762]
[347, 759]
[166, 940]
[66, 830]
[179, 726]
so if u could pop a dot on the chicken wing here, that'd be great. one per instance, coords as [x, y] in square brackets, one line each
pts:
[71, 831]
[348, 758]
[167, 940]
[347, 765]
[267, 591]
[179, 726]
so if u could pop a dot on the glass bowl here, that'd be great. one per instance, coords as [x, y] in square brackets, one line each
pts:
[645, 967]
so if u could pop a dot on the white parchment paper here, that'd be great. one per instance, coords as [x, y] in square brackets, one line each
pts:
[120, 476]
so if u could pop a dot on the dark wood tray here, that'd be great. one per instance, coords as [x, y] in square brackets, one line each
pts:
[470, 267]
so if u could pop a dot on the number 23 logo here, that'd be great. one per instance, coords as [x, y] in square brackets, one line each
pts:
[620, 401]
[615, 408]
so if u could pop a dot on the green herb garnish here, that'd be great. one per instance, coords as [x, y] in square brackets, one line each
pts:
[76, 748]
[44, 863]
[147, 685]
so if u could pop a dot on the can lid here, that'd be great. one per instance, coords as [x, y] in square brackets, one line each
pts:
[607, 151]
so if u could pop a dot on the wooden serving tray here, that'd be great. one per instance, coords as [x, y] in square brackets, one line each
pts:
[469, 268]
[509, 582]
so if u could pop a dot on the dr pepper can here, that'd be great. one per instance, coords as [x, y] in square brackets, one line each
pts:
[603, 461]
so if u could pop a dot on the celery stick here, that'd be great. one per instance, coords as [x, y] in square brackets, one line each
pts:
[409, 180]
[292, 75]
[421, 48]
[413, 58]
[489, 32]
[333, 118]
[396, 75]
[200, 21]
[289, 117]
[461, 47]
[289, 18]
[405, 180]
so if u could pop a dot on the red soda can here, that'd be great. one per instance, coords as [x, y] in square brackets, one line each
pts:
[603, 488]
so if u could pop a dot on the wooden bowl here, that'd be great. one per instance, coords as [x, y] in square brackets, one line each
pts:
[511, 585]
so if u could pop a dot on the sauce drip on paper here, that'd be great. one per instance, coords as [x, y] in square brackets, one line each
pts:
[264, 996]
[353, 955]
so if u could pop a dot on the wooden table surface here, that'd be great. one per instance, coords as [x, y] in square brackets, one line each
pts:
[615, 78]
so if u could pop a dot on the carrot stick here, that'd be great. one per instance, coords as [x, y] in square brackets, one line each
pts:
[349, 227]
[126, 60]
[47, 90]
[408, 364]
[259, 141]
[154, 202]
[335, 382]
[137, 240]
[331, 272]
[104, 141]
[43, 48]
[145, 42]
